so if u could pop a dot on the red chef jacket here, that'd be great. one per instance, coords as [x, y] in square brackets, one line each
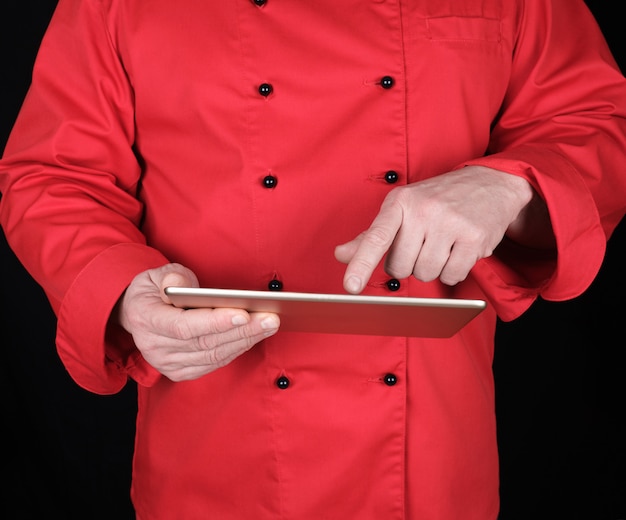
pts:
[245, 140]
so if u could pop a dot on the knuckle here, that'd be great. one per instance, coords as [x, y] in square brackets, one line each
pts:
[424, 275]
[474, 234]
[212, 357]
[362, 265]
[452, 279]
[397, 270]
[377, 237]
[180, 328]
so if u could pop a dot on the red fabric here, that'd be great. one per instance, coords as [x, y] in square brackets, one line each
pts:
[144, 140]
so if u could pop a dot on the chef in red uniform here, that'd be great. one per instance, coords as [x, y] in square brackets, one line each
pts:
[459, 148]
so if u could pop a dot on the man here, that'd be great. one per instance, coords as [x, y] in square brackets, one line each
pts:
[469, 149]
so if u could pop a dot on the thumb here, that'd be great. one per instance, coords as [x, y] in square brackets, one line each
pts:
[345, 252]
[174, 275]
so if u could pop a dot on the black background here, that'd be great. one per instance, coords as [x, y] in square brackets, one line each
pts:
[560, 374]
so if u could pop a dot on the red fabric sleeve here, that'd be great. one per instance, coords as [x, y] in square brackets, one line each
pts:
[562, 127]
[73, 217]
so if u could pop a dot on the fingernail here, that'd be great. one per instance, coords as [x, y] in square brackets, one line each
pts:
[353, 284]
[238, 319]
[269, 323]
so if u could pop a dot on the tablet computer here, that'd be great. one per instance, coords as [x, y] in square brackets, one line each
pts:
[342, 313]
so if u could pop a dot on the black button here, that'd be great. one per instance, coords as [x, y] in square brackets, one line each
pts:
[393, 284]
[387, 82]
[282, 382]
[391, 176]
[275, 285]
[390, 379]
[269, 181]
[259, 2]
[265, 89]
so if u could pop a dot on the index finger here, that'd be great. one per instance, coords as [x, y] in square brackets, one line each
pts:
[373, 245]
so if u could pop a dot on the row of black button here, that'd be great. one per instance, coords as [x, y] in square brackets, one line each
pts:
[283, 382]
[276, 285]
[270, 181]
[265, 89]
